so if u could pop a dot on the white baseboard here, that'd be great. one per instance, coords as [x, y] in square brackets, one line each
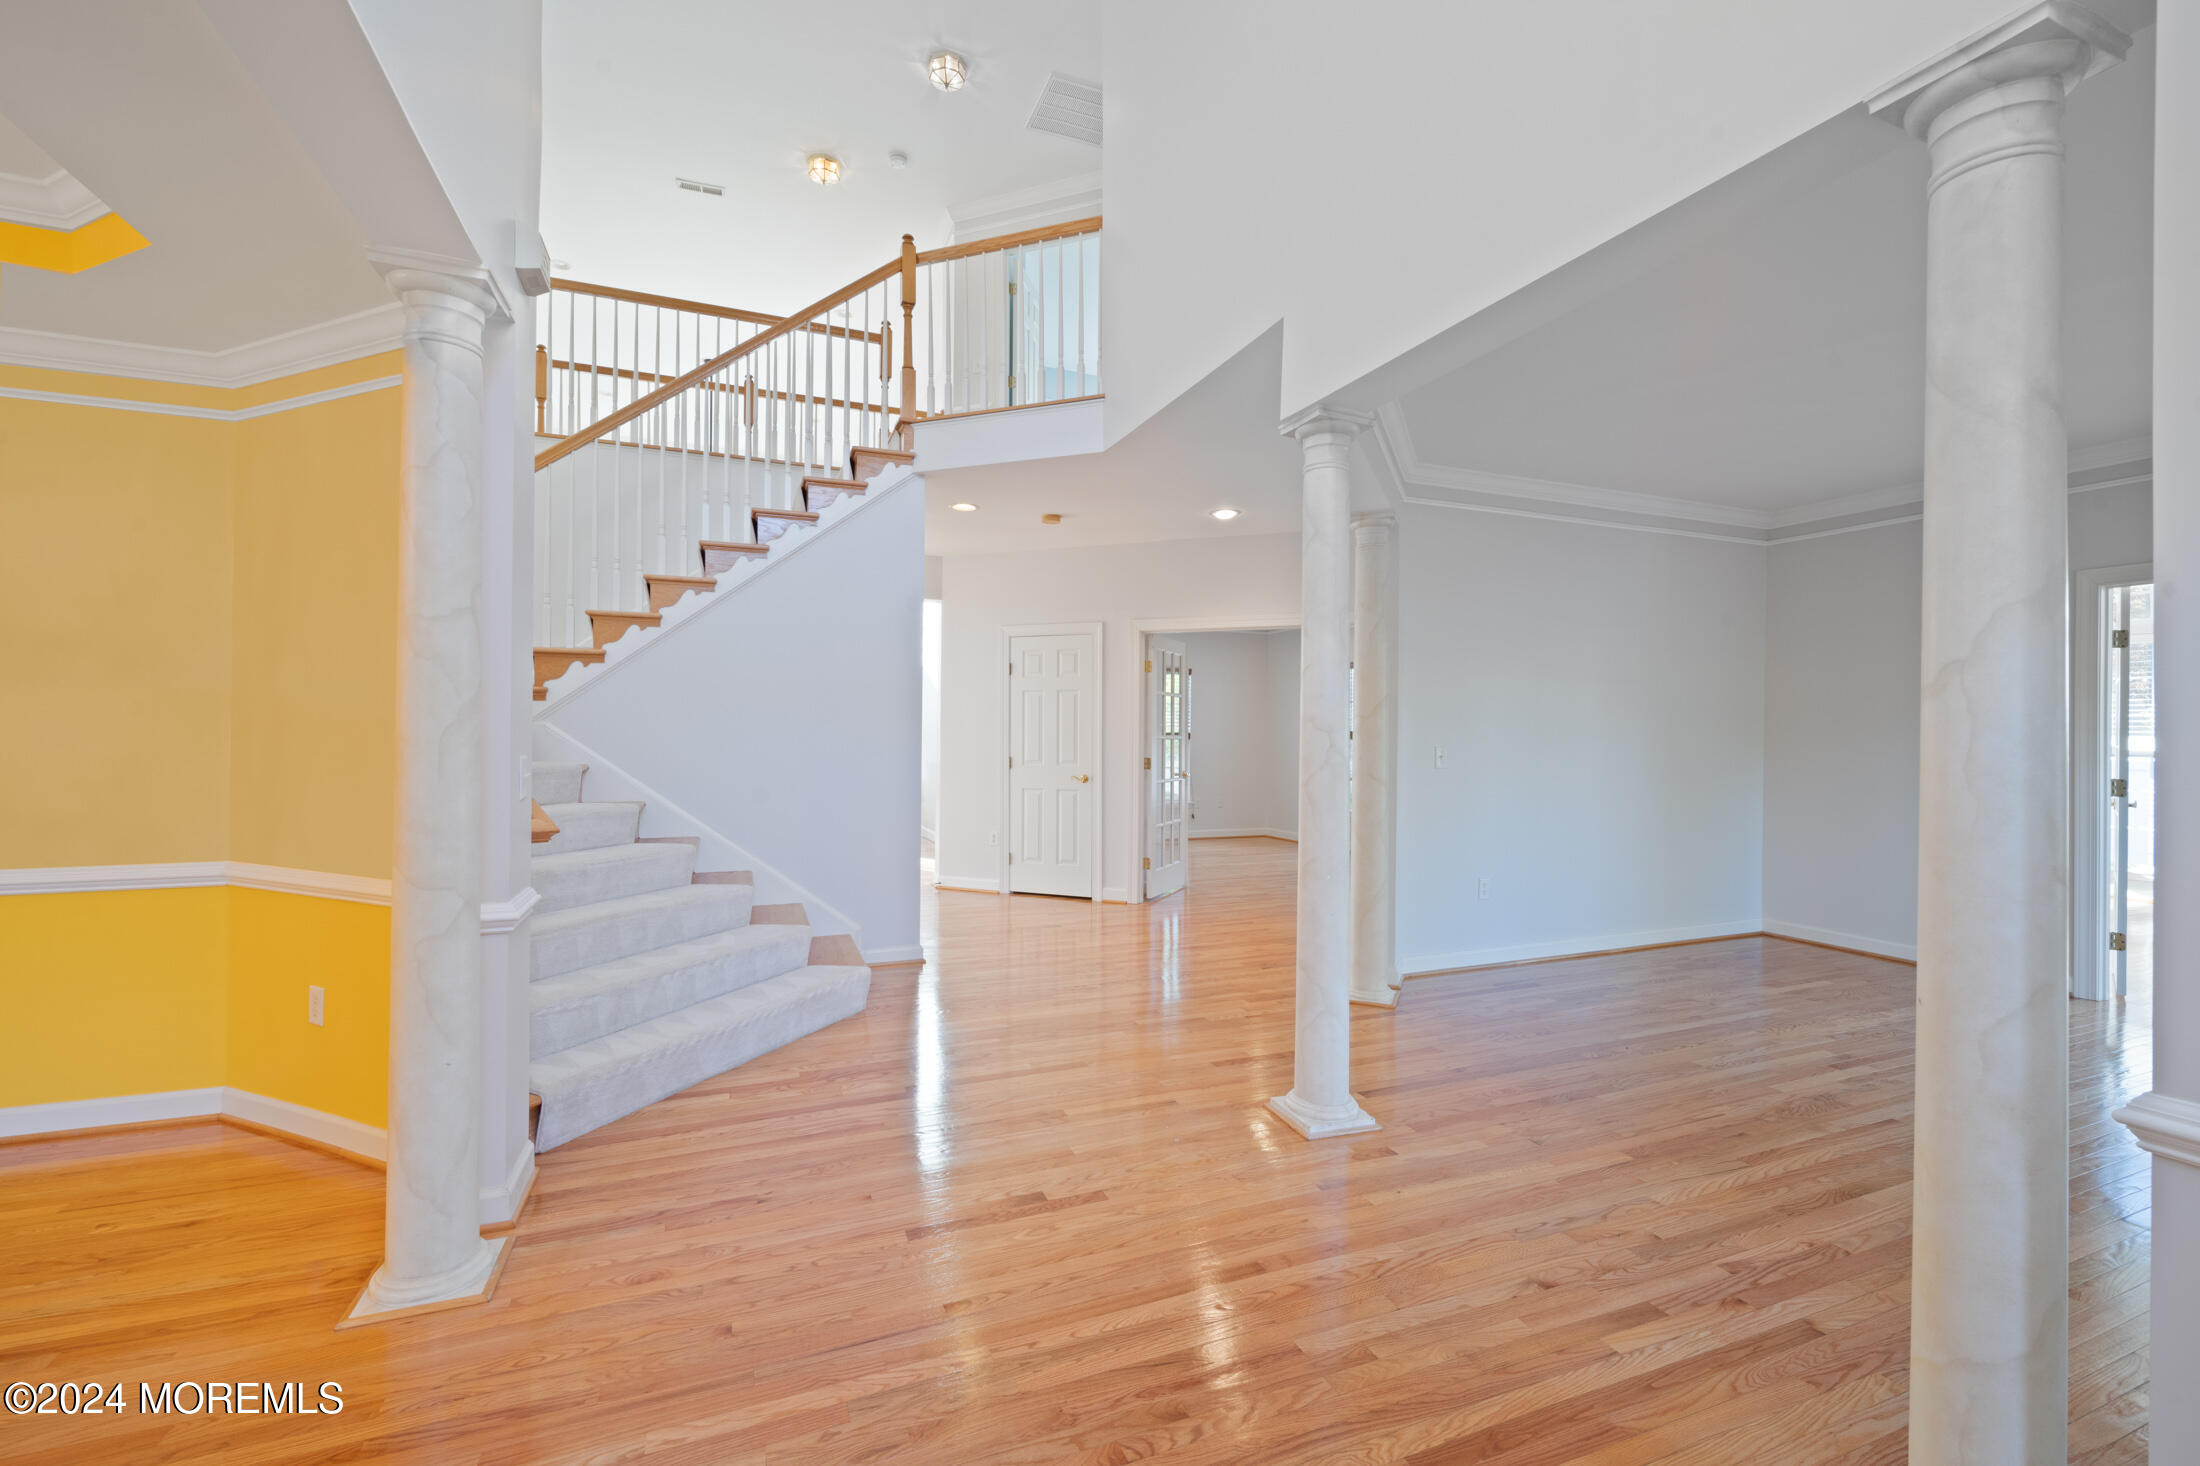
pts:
[1249, 832]
[1119, 895]
[120, 1109]
[885, 956]
[501, 1203]
[1900, 951]
[1424, 963]
[970, 883]
[182, 1104]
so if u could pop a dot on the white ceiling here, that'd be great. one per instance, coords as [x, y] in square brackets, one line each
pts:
[1782, 364]
[1215, 446]
[639, 94]
[245, 240]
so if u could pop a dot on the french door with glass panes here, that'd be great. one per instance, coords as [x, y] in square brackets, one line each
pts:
[1168, 764]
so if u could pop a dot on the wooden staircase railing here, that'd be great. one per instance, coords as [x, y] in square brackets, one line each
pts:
[686, 421]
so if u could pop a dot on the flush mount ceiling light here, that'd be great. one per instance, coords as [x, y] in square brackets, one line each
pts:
[897, 160]
[1223, 513]
[947, 71]
[963, 508]
[824, 168]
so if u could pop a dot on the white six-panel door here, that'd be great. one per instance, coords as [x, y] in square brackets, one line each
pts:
[1168, 764]
[1053, 736]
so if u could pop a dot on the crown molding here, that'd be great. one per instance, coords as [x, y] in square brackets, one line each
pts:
[1421, 482]
[56, 201]
[347, 338]
[1057, 201]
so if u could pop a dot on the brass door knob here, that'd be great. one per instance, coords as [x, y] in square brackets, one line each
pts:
[1084, 778]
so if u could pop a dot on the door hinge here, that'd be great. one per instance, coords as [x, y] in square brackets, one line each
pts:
[2119, 639]
[1149, 763]
[2119, 789]
[1012, 760]
[2115, 941]
[1149, 664]
[1149, 862]
[1011, 669]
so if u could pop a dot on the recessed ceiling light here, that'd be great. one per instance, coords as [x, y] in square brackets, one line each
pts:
[824, 168]
[962, 508]
[948, 71]
[1223, 513]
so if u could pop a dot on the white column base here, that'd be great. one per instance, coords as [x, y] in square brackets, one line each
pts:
[1384, 997]
[472, 1282]
[1319, 1124]
[2164, 1125]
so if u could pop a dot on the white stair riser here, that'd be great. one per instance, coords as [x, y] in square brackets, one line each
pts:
[598, 1082]
[594, 1001]
[590, 826]
[586, 877]
[567, 941]
[556, 783]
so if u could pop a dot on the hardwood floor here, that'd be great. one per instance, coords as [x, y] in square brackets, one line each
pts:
[1029, 1208]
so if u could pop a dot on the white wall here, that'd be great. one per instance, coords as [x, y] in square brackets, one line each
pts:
[928, 731]
[1599, 694]
[781, 716]
[1841, 711]
[1345, 148]
[1245, 732]
[1249, 580]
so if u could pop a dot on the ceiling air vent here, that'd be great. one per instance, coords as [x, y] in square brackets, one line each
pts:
[690, 185]
[1068, 107]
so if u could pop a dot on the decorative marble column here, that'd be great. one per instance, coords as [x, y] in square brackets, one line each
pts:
[1375, 760]
[1320, 1103]
[433, 1250]
[2166, 1119]
[1989, 1329]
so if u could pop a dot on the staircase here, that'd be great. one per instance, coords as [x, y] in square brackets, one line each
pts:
[650, 976]
[715, 558]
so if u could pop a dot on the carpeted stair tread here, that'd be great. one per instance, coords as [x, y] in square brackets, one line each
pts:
[586, 877]
[556, 783]
[583, 826]
[579, 1006]
[584, 936]
[593, 1083]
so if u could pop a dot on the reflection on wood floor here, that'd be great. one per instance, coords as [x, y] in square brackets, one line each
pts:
[1029, 1208]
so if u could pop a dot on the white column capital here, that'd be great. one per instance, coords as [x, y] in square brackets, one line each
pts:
[1324, 421]
[445, 299]
[2164, 1125]
[1382, 522]
[2053, 42]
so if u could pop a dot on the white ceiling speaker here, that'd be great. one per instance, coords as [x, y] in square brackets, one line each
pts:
[947, 71]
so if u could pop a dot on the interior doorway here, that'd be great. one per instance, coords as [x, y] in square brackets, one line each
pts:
[2128, 738]
[1218, 754]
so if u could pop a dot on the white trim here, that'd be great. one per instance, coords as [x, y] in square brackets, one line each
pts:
[1826, 937]
[1096, 837]
[502, 918]
[2164, 1125]
[2089, 827]
[327, 884]
[335, 1131]
[497, 1202]
[1255, 832]
[1058, 201]
[39, 881]
[363, 333]
[884, 955]
[1427, 963]
[990, 885]
[119, 1109]
[1115, 895]
[57, 201]
[211, 414]
[350, 1136]
[1405, 472]
[366, 890]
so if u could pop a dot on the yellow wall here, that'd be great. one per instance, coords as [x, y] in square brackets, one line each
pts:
[204, 619]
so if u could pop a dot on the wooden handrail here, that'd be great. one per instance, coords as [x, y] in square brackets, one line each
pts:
[700, 308]
[1010, 241]
[689, 378]
[904, 265]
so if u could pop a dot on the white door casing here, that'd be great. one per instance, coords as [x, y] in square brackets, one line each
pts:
[1053, 755]
[1168, 764]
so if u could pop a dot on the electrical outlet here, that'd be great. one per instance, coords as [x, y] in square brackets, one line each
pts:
[1439, 755]
[313, 1005]
[1482, 889]
[994, 838]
